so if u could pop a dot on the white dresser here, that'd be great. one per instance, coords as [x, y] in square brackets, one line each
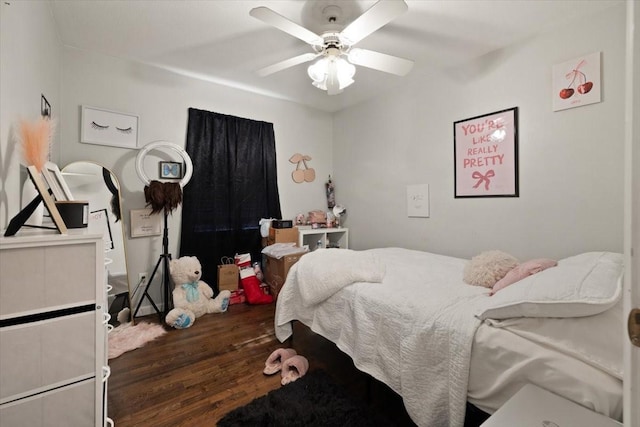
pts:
[53, 328]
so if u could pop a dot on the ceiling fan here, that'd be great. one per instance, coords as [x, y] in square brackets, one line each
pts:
[335, 69]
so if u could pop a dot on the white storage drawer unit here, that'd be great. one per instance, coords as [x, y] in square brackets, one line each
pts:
[29, 349]
[71, 406]
[41, 278]
[52, 330]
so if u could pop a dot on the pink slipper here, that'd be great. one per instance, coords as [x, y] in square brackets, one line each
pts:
[293, 368]
[275, 360]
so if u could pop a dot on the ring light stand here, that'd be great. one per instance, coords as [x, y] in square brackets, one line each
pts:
[165, 257]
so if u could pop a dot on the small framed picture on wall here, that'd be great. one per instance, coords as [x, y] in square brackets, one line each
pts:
[144, 223]
[170, 170]
[577, 82]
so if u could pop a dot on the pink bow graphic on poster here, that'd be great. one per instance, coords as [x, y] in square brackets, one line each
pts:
[477, 175]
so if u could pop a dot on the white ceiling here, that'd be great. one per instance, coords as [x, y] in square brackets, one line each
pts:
[217, 40]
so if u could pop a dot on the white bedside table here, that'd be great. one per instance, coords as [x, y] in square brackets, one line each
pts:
[533, 406]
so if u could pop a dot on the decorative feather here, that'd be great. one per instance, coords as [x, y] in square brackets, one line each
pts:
[34, 139]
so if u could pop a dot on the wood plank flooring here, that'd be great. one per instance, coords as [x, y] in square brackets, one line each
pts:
[192, 377]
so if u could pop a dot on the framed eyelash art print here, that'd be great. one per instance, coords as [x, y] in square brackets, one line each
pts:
[105, 127]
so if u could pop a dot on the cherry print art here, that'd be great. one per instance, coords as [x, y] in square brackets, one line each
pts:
[576, 76]
[302, 175]
[576, 82]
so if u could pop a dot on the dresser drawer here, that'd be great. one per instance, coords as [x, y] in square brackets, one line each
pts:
[70, 406]
[40, 355]
[35, 278]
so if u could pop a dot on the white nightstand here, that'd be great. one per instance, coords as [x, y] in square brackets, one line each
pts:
[533, 406]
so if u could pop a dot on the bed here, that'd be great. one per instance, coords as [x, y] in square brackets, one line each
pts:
[408, 319]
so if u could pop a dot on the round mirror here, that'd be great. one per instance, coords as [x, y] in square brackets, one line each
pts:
[99, 186]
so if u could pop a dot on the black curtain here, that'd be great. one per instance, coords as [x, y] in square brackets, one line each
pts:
[234, 185]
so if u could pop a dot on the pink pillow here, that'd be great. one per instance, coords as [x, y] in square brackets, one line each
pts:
[523, 270]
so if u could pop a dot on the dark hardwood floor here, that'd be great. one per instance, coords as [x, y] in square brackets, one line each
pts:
[194, 376]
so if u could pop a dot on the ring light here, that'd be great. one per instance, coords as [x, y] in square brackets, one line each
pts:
[165, 257]
[188, 165]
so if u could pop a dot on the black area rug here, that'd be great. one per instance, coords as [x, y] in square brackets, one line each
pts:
[313, 400]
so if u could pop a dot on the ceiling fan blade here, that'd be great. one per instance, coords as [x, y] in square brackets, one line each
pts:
[272, 18]
[375, 17]
[380, 61]
[279, 66]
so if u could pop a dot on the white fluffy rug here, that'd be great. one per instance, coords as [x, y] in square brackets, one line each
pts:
[127, 337]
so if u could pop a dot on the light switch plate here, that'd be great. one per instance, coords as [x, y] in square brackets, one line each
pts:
[418, 200]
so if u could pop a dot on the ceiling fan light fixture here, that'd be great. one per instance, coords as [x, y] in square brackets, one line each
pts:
[331, 72]
[318, 71]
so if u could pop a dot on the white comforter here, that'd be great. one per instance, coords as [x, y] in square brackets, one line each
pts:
[413, 331]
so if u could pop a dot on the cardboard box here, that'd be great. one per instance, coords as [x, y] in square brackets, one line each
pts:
[282, 235]
[274, 289]
[276, 270]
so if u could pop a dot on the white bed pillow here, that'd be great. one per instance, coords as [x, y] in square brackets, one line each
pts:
[521, 271]
[581, 285]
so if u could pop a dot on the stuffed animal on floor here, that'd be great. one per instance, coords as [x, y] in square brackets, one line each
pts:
[192, 297]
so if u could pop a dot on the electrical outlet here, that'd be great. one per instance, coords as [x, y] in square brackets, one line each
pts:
[142, 277]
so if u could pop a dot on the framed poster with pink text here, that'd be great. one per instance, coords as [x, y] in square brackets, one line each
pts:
[486, 155]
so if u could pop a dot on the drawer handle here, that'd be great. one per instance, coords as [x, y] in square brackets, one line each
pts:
[109, 288]
[110, 328]
[108, 421]
[106, 317]
[106, 373]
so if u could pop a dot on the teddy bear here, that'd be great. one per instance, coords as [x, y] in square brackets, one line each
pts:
[192, 297]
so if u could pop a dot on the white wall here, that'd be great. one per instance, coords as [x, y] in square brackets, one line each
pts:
[571, 162]
[30, 65]
[161, 99]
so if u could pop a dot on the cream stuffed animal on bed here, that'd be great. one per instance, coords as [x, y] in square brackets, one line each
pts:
[192, 297]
